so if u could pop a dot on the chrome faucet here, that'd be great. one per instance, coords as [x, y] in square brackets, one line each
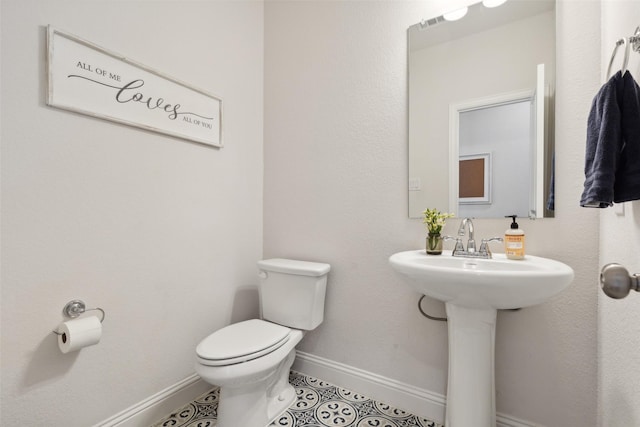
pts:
[471, 251]
[471, 244]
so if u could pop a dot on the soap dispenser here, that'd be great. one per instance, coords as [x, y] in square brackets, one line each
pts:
[514, 240]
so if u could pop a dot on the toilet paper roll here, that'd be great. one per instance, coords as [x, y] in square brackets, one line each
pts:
[79, 333]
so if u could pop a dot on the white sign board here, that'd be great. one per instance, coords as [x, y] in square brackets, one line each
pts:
[88, 79]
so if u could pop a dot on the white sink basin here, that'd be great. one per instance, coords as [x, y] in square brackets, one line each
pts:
[483, 283]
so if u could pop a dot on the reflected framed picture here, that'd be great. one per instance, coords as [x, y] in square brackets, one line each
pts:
[474, 182]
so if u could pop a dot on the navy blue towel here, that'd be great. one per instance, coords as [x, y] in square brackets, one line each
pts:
[612, 160]
[551, 199]
[627, 185]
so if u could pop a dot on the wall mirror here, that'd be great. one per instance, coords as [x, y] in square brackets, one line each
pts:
[481, 113]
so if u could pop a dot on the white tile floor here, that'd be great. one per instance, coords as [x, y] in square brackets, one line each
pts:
[319, 404]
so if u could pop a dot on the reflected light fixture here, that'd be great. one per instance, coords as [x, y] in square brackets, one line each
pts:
[456, 14]
[493, 3]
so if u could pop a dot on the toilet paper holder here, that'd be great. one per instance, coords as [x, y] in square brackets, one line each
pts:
[75, 308]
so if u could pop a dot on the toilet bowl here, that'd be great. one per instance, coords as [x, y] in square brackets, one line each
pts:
[250, 360]
[254, 386]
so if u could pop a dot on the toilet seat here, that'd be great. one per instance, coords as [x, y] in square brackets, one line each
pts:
[241, 342]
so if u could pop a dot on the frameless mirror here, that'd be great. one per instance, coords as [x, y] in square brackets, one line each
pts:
[481, 117]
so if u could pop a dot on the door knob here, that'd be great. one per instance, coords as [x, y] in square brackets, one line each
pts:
[616, 281]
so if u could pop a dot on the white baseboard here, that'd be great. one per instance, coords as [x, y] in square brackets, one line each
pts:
[160, 404]
[403, 396]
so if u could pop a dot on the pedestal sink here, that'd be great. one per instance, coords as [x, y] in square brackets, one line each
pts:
[473, 290]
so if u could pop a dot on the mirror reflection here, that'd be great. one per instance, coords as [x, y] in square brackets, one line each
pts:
[481, 112]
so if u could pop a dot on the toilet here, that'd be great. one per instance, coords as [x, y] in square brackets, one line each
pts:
[250, 360]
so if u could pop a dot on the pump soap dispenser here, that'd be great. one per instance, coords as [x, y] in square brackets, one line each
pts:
[514, 240]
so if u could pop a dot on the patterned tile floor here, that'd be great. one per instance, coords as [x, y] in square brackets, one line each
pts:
[319, 404]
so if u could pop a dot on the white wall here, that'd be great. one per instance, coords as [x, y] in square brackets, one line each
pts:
[161, 233]
[335, 191]
[619, 320]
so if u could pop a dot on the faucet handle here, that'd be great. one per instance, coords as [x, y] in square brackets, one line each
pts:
[484, 245]
[459, 247]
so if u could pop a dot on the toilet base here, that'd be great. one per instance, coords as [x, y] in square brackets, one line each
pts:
[279, 405]
[257, 404]
[251, 409]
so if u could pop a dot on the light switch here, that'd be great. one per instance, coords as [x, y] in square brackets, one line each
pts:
[414, 184]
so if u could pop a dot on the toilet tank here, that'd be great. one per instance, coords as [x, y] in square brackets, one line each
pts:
[292, 292]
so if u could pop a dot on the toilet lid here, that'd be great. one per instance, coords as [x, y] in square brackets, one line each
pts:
[241, 342]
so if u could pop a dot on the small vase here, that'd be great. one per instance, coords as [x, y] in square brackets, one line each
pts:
[434, 244]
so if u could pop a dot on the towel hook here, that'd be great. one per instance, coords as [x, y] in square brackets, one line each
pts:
[629, 43]
[613, 55]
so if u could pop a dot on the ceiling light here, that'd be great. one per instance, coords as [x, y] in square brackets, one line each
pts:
[456, 14]
[493, 3]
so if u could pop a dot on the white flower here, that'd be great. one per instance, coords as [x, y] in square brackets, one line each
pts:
[435, 220]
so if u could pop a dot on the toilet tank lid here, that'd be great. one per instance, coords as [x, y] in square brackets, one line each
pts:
[290, 266]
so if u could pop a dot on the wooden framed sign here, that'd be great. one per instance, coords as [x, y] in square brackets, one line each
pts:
[88, 79]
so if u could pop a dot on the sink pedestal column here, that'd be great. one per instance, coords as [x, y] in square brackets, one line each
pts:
[471, 381]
